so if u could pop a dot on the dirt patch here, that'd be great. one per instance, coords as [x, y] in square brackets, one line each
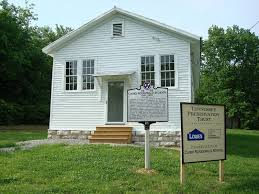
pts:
[146, 171]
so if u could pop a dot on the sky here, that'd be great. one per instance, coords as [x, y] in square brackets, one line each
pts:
[194, 16]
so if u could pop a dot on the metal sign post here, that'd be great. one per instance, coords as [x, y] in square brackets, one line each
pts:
[147, 144]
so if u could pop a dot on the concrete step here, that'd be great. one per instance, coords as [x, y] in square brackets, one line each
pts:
[113, 128]
[112, 132]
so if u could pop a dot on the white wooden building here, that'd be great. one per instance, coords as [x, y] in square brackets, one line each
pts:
[95, 65]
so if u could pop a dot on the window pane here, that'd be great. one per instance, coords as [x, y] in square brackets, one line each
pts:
[152, 75]
[147, 68]
[92, 85]
[148, 76]
[75, 71]
[84, 86]
[171, 58]
[84, 79]
[88, 86]
[92, 70]
[67, 79]
[147, 60]
[162, 59]
[88, 79]
[142, 60]
[88, 71]
[172, 82]
[167, 66]
[167, 75]
[67, 86]
[84, 70]
[167, 59]
[152, 67]
[152, 59]
[171, 66]
[143, 77]
[67, 64]
[92, 79]
[162, 83]
[71, 87]
[162, 67]
[142, 68]
[172, 74]
[75, 86]
[92, 63]
[88, 63]
[162, 75]
[167, 82]
[70, 65]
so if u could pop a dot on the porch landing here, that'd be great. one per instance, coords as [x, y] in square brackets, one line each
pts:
[120, 134]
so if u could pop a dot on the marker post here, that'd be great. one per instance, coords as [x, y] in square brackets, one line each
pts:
[147, 143]
[221, 170]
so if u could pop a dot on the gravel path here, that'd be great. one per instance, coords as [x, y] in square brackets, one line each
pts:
[26, 145]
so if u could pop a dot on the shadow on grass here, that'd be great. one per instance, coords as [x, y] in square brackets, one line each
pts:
[243, 145]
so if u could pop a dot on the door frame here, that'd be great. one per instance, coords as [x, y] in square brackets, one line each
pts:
[124, 102]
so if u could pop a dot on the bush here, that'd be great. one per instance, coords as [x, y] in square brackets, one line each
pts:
[36, 114]
[10, 113]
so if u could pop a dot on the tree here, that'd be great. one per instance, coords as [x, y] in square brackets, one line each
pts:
[230, 73]
[25, 72]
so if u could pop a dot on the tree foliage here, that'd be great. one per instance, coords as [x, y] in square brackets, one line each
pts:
[25, 72]
[230, 73]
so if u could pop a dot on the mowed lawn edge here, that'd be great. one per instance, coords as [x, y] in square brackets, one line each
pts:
[10, 135]
[112, 169]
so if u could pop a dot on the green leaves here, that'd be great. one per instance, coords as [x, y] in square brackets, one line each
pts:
[25, 71]
[230, 73]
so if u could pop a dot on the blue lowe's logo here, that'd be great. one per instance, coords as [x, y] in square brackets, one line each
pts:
[195, 135]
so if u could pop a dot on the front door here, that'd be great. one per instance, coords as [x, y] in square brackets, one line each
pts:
[115, 101]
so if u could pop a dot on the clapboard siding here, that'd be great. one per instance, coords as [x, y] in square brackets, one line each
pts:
[86, 109]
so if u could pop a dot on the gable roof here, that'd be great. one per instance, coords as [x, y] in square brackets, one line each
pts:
[59, 42]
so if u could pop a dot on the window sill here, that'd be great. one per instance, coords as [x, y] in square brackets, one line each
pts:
[117, 37]
[79, 91]
[171, 88]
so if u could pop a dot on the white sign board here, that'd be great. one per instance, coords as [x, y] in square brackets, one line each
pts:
[148, 104]
[203, 132]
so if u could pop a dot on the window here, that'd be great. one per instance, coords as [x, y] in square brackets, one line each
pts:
[87, 74]
[147, 70]
[167, 71]
[117, 30]
[71, 75]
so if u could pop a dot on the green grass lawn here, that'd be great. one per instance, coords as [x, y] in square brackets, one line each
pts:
[109, 169]
[9, 137]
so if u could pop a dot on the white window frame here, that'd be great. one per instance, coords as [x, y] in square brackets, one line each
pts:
[123, 28]
[175, 71]
[82, 74]
[65, 75]
[149, 55]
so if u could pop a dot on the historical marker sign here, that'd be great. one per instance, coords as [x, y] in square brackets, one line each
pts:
[148, 104]
[203, 132]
